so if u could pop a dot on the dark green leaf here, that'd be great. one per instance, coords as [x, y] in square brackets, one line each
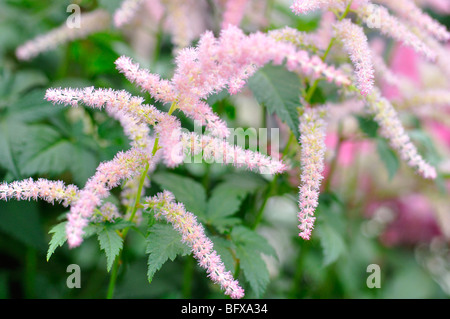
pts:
[224, 201]
[26, 80]
[333, 245]
[111, 242]
[59, 237]
[254, 269]
[32, 107]
[243, 236]
[388, 157]
[46, 151]
[248, 247]
[163, 243]
[279, 91]
[12, 136]
[368, 126]
[223, 246]
[21, 221]
[186, 190]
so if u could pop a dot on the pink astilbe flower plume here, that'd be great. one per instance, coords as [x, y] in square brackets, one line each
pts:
[167, 127]
[225, 62]
[356, 45]
[127, 11]
[108, 175]
[392, 129]
[221, 151]
[312, 140]
[165, 91]
[378, 17]
[409, 11]
[307, 6]
[90, 22]
[193, 234]
[49, 191]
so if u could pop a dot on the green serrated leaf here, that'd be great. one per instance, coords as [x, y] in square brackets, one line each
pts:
[12, 136]
[245, 181]
[59, 237]
[21, 221]
[333, 245]
[279, 91]
[119, 224]
[111, 242]
[26, 80]
[243, 236]
[32, 107]
[186, 190]
[225, 200]
[388, 156]
[163, 243]
[254, 269]
[222, 247]
[368, 126]
[45, 152]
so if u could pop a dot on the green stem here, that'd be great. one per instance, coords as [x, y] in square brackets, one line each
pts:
[187, 277]
[313, 87]
[30, 272]
[272, 184]
[115, 269]
[113, 278]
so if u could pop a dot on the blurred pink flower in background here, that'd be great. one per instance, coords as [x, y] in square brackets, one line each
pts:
[413, 220]
[404, 62]
[439, 131]
[349, 149]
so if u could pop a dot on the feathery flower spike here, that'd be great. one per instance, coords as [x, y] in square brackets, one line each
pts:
[108, 175]
[376, 16]
[91, 22]
[168, 127]
[50, 191]
[222, 152]
[356, 45]
[225, 62]
[306, 6]
[409, 11]
[193, 234]
[312, 140]
[127, 11]
[392, 129]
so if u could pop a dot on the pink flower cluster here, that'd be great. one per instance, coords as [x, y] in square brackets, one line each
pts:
[392, 129]
[222, 152]
[312, 140]
[409, 11]
[193, 234]
[306, 6]
[108, 175]
[89, 23]
[356, 45]
[226, 62]
[49, 191]
[376, 16]
[128, 9]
